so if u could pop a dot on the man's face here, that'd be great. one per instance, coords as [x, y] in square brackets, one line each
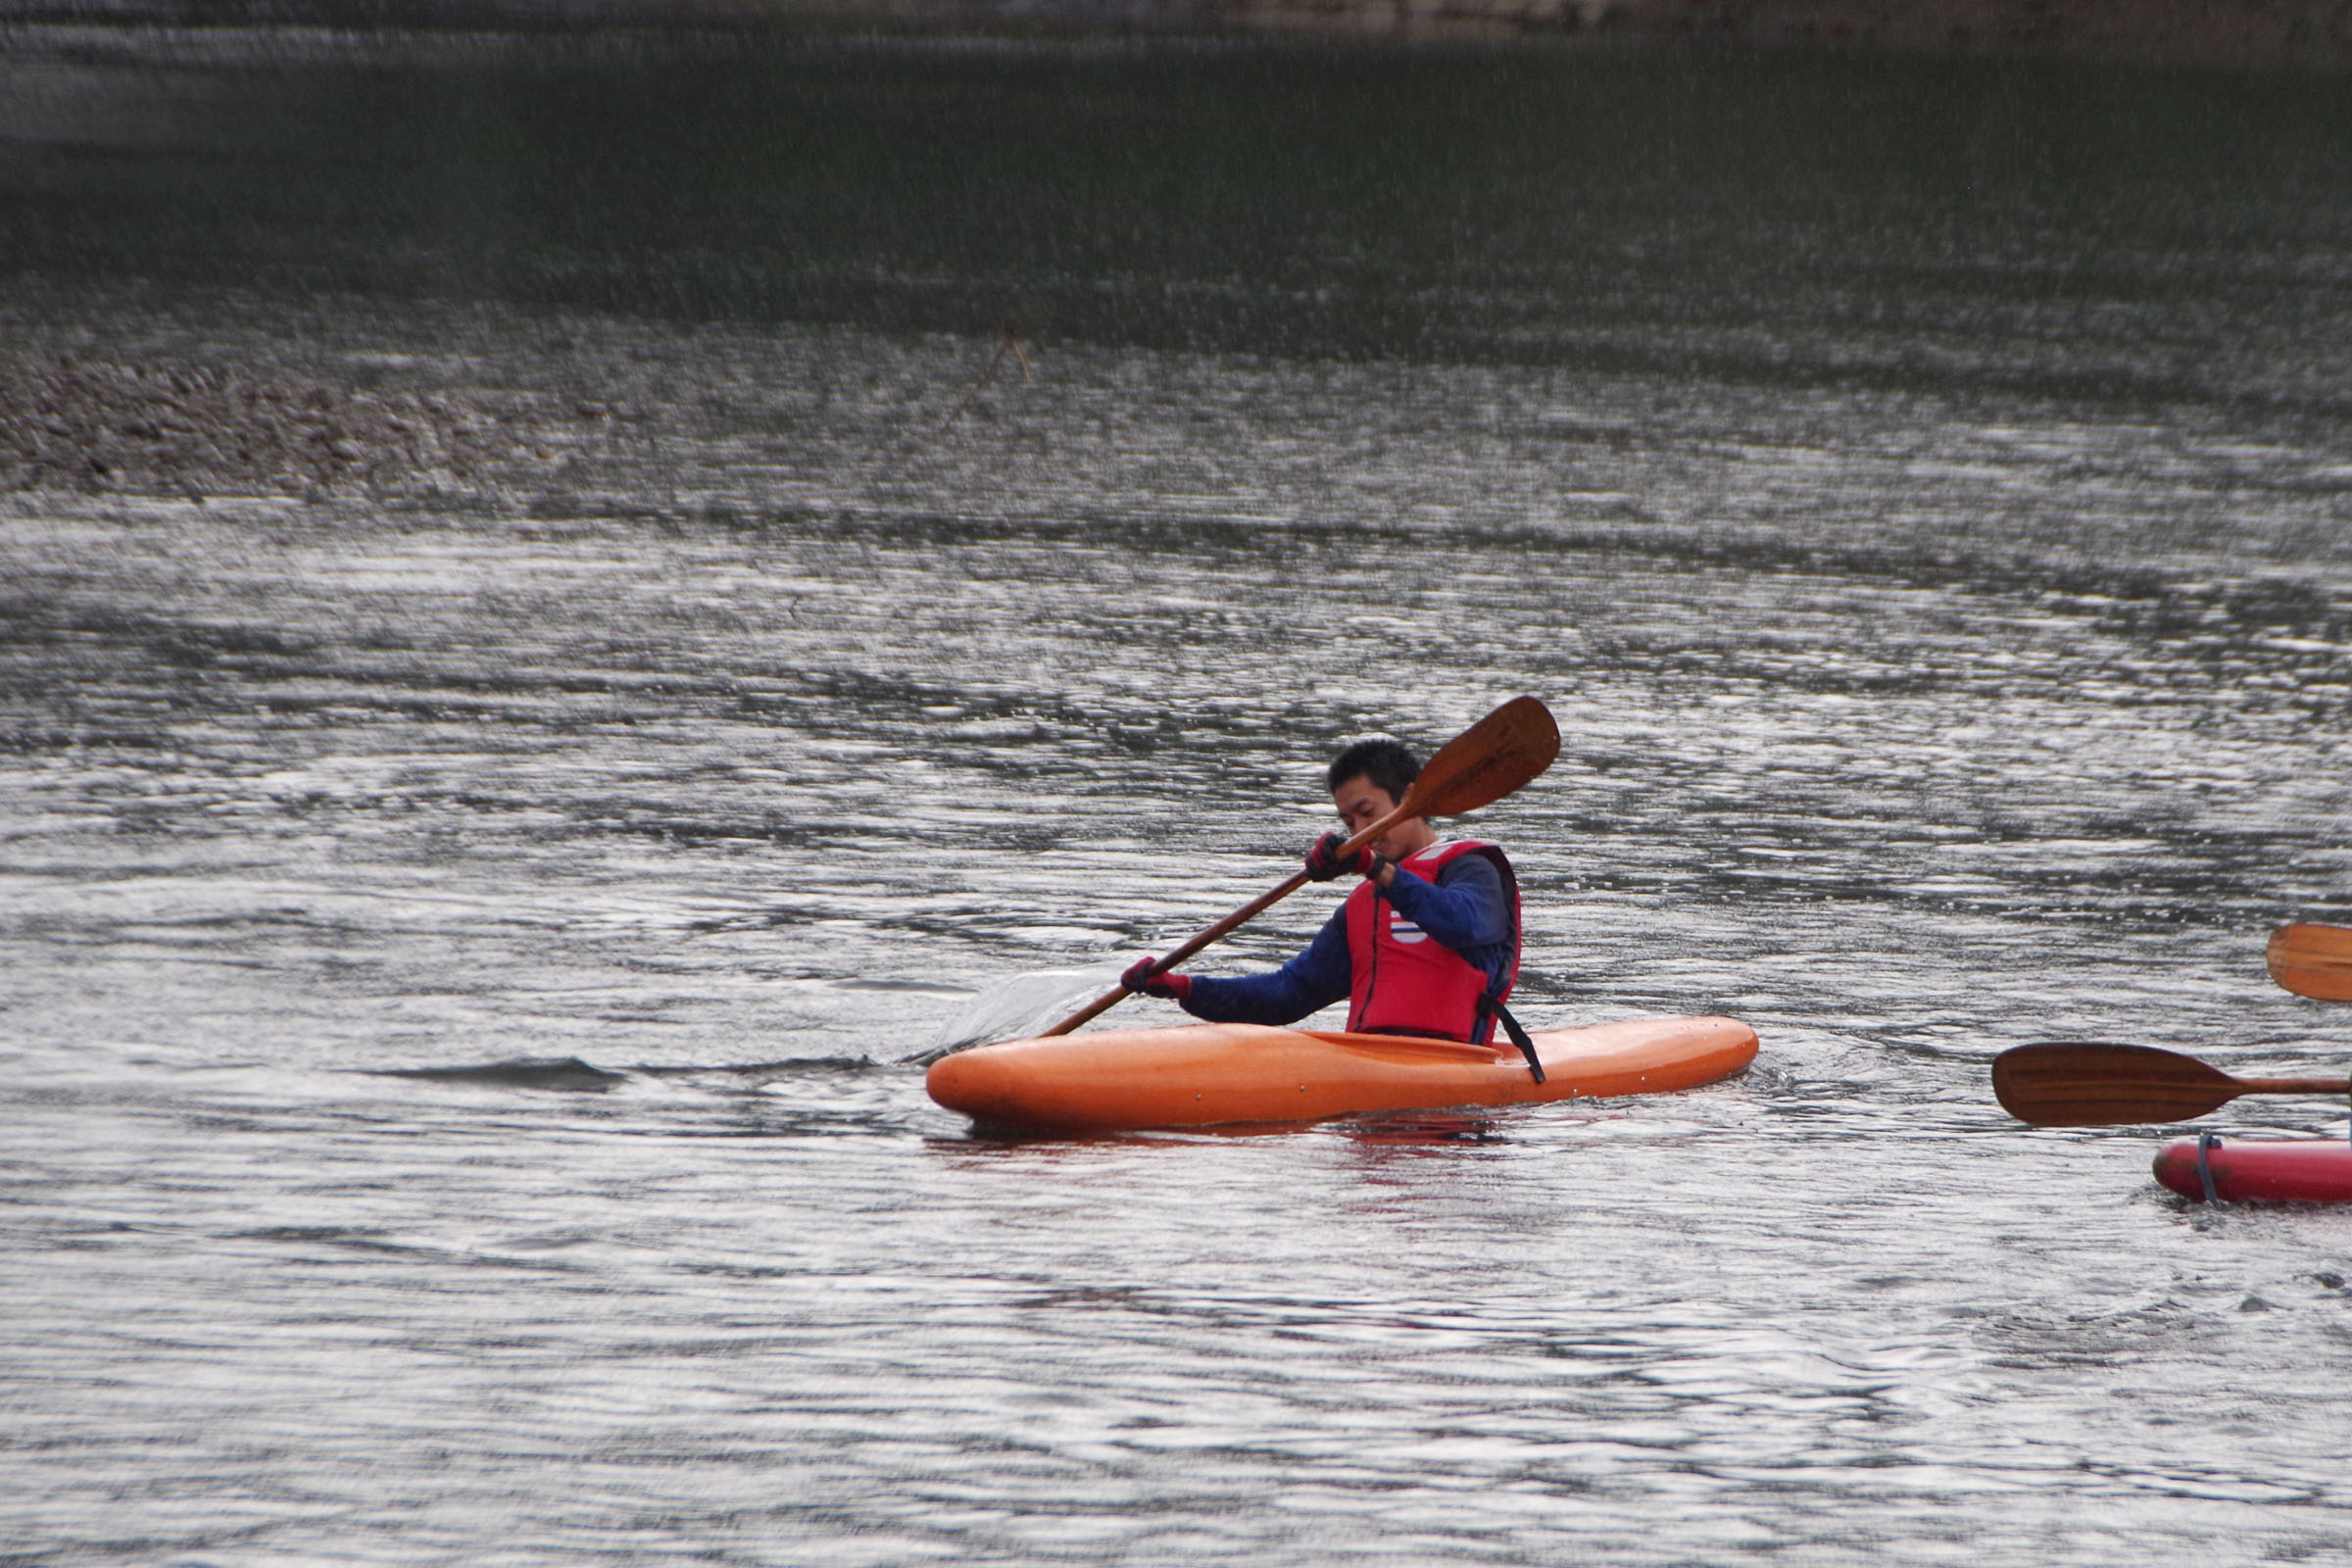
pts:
[1361, 804]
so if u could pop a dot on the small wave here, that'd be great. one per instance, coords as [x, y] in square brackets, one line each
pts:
[537, 1072]
[790, 1067]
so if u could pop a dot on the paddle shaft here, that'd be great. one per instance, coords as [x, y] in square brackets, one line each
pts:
[2293, 1086]
[1247, 912]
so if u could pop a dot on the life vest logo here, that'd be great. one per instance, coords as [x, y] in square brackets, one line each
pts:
[1402, 930]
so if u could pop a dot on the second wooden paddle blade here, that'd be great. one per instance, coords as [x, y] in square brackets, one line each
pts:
[2313, 961]
[2085, 1084]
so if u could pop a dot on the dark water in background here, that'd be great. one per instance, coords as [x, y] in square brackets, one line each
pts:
[1919, 491]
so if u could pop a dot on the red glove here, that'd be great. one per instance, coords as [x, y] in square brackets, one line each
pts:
[1139, 977]
[1323, 861]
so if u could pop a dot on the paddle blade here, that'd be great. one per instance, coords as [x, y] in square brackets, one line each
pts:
[2070, 1085]
[1488, 761]
[2313, 961]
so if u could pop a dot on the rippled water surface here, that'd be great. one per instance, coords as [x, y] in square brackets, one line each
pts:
[467, 944]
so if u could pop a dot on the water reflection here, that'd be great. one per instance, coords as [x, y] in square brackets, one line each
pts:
[1403, 1132]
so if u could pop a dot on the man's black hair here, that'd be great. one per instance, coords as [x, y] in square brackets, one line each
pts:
[1389, 765]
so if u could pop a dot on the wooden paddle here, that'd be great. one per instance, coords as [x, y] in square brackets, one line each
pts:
[2069, 1084]
[2313, 961]
[1477, 768]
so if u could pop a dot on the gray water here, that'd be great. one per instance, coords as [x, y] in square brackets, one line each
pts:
[469, 940]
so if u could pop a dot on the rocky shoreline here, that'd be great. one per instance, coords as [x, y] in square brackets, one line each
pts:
[197, 432]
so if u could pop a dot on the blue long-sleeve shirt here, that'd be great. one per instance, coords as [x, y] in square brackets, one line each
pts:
[1467, 908]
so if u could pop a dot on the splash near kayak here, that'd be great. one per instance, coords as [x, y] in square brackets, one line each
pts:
[1207, 1075]
[2276, 1171]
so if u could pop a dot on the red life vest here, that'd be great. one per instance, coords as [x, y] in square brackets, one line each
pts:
[1405, 981]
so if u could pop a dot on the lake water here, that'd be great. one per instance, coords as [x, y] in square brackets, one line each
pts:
[467, 941]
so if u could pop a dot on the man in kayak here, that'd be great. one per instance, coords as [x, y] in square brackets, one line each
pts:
[1425, 944]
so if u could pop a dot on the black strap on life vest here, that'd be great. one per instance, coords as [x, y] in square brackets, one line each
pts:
[1489, 1008]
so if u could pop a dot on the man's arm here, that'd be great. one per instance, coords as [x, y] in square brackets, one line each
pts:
[1466, 908]
[1316, 978]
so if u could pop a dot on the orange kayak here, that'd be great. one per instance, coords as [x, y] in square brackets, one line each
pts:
[1208, 1075]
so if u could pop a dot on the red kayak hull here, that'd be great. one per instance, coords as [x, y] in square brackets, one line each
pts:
[1207, 1075]
[2277, 1170]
